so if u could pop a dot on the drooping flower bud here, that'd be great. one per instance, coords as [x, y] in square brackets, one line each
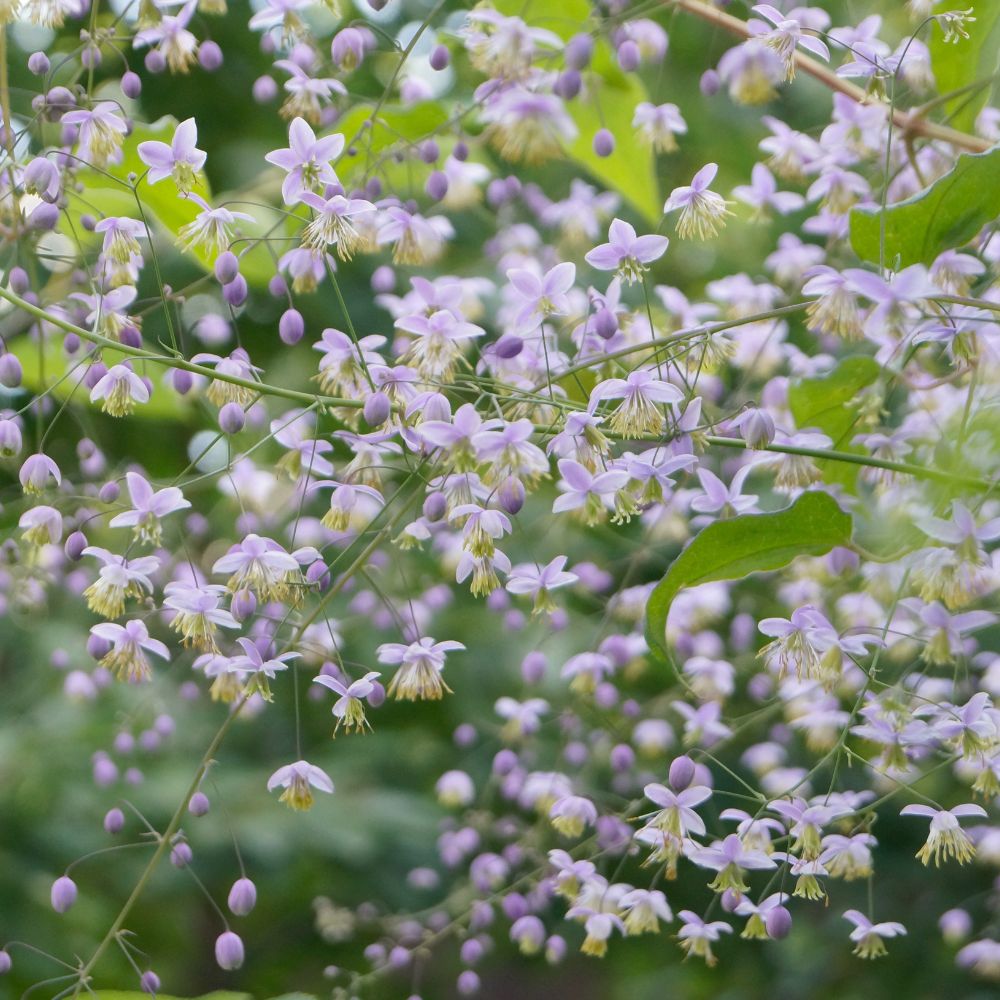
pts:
[778, 923]
[232, 418]
[681, 773]
[377, 409]
[511, 495]
[149, 982]
[227, 267]
[63, 894]
[11, 371]
[291, 327]
[114, 821]
[229, 950]
[242, 897]
[199, 804]
[435, 506]
[440, 57]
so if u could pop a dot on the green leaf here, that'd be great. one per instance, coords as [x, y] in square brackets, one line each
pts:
[564, 18]
[831, 403]
[946, 215]
[752, 543]
[968, 61]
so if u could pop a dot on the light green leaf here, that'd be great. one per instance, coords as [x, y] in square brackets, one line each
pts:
[968, 61]
[946, 215]
[564, 18]
[752, 543]
[832, 403]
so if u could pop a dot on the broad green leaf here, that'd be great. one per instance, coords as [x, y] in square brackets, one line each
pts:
[968, 61]
[831, 403]
[752, 543]
[946, 215]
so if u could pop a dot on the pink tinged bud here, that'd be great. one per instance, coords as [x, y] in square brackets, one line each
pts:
[437, 185]
[629, 56]
[264, 90]
[199, 804]
[511, 495]
[778, 923]
[277, 287]
[63, 894]
[509, 346]
[130, 336]
[568, 84]
[88, 222]
[227, 267]
[75, 545]
[435, 506]
[10, 371]
[38, 63]
[710, 83]
[579, 51]
[235, 293]
[377, 697]
[440, 57]
[383, 279]
[131, 85]
[149, 982]
[514, 906]
[757, 429]
[44, 216]
[181, 854]
[504, 762]
[471, 951]
[155, 61]
[399, 957]
[97, 647]
[209, 56]
[681, 773]
[114, 821]
[318, 574]
[232, 418]
[5, 962]
[242, 897]
[430, 151]
[377, 409]
[291, 327]
[229, 951]
[467, 983]
[460, 152]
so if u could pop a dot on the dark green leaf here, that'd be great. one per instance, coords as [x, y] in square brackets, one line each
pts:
[946, 215]
[753, 543]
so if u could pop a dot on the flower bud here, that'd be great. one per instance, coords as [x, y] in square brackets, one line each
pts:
[435, 506]
[467, 983]
[437, 185]
[236, 292]
[181, 854]
[38, 63]
[10, 438]
[555, 949]
[509, 346]
[681, 773]
[629, 56]
[114, 821]
[757, 428]
[291, 327]
[377, 409]
[511, 495]
[5, 962]
[63, 894]
[622, 757]
[131, 85]
[229, 950]
[242, 897]
[579, 51]
[155, 61]
[11, 372]
[430, 151]
[440, 57]
[232, 418]
[710, 83]
[209, 56]
[605, 323]
[182, 381]
[109, 492]
[383, 279]
[44, 216]
[730, 900]
[20, 283]
[778, 923]
[199, 804]
[227, 267]
[149, 982]
[604, 142]
[568, 84]
[244, 605]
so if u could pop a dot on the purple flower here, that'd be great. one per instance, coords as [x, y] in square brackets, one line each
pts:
[181, 159]
[129, 644]
[625, 253]
[543, 296]
[306, 160]
[349, 709]
[869, 937]
[703, 212]
[148, 508]
[298, 780]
